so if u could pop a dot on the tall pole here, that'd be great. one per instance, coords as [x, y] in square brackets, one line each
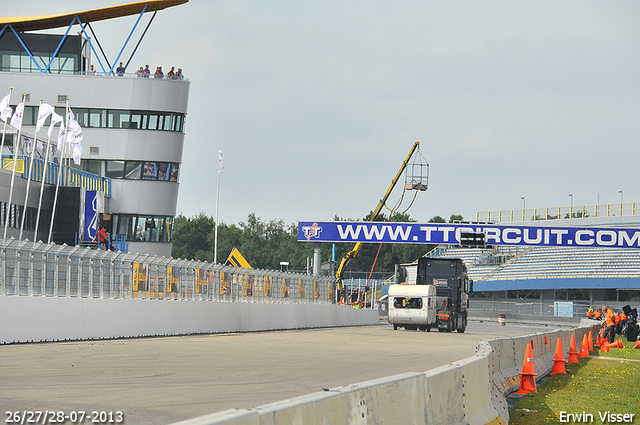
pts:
[4, 132]
[620, 192]
[16, 143]
[215, 238]
[29, 173]
[571, 208]
[60, 162]
[44, 172]
[4, 129]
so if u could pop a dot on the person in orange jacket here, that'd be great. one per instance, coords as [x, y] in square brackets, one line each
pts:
[622, 321]
[597, 314]
[610, 321]
[590, 313]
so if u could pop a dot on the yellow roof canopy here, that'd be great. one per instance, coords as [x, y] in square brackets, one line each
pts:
[34, 23]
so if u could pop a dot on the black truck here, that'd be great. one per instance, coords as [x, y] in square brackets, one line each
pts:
[449, 276]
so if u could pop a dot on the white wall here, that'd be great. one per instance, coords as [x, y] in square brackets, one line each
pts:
[36, 318]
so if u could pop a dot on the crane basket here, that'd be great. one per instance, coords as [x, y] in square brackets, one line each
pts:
[417, 174]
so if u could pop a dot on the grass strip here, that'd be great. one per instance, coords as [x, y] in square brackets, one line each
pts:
[590, 389]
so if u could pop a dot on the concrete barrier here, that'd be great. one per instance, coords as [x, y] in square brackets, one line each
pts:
[471, 391]
[37, 318]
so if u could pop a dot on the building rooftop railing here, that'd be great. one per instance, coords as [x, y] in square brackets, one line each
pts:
[560, 213]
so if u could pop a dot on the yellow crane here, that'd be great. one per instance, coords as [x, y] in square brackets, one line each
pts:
[414, 182]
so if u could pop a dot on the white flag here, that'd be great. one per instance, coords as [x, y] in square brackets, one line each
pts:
[5, 109]
[77, 153]
[43, 112]
[220, 163]
[55, 119]
[16, 119]
[74, 137]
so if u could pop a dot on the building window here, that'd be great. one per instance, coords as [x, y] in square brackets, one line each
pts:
[115, 169]
[133, 170]
[150, 171]
[143, 228]
[114, 118]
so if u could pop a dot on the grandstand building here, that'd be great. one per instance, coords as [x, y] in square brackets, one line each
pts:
[551, 273]
[133, 129]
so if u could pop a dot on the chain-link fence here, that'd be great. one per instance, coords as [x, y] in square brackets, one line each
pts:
[30, 268]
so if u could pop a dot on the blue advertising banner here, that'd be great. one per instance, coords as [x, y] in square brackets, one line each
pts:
[440, 233]
[91, 210]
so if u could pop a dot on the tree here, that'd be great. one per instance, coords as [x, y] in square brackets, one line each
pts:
[437, 219]
[266, 244]
[191, 237]
[229, 237]
[455, 217]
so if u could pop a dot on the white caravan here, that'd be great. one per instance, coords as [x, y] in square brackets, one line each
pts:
[412, 306]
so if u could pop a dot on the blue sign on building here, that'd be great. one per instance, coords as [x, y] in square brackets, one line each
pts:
[440, 233]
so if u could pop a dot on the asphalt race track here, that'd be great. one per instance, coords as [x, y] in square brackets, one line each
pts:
[164, 380]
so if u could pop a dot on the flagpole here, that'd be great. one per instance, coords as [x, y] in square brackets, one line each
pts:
[215, 239]
[29, 172]
[4, 132]
[15, 163]
[4, 129]
[44, 171]
[44, 177]
[64, 143]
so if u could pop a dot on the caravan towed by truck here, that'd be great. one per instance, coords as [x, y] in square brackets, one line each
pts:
[412, 303]
[412, 306]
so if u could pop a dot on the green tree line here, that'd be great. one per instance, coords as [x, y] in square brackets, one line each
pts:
[264, 244]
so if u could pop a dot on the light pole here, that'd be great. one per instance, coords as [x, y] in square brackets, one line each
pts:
[524, 206]
[620, 192]
[571, 208]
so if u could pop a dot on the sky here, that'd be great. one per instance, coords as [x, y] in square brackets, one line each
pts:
[315, 105]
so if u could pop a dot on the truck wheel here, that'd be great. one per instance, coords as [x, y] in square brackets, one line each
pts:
[463, 326]
[428, 328]
[395, 327]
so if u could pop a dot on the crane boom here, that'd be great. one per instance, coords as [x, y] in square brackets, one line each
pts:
[356, 248]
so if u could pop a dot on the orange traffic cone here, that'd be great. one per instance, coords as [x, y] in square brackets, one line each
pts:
[599, 338]
[573, 351]
[604, 348]
[637, 346]
[545, 341]
[527, 376]
[558, 360]
[584, 347]
[615, 344]
[590, 341]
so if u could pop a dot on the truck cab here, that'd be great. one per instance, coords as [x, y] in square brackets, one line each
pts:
[449, 278]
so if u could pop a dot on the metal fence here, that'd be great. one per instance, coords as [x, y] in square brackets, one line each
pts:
[35, 268]
[537, 308]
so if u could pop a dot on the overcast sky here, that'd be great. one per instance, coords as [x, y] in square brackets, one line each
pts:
[316, 104]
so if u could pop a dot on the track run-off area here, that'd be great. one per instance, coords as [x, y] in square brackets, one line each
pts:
[167, 379]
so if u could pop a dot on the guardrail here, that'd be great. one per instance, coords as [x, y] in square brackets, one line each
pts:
[471, 391]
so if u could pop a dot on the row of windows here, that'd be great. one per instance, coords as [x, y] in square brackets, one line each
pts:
[141, 228]
[115, 118]
[21, 62]
[133, 170]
